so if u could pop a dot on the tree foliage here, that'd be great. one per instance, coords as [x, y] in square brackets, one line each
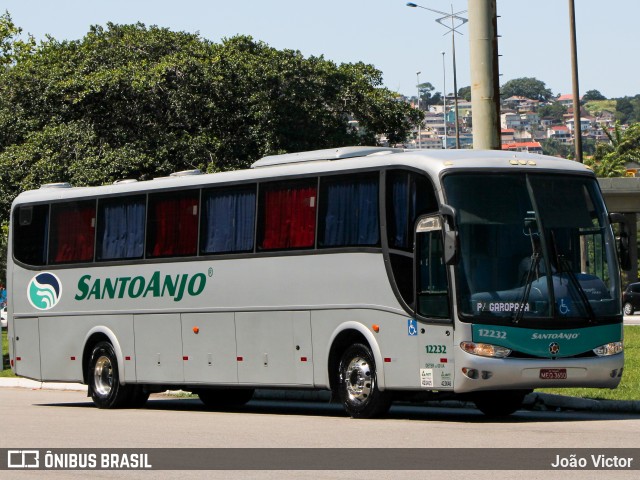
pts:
[130, 101]
[628, 109]
[610, 158]
[427, 98]
[554, 111]
[528, 87]
[593, 95]
[465, 92]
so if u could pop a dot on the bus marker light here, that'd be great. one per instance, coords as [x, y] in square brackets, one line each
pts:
[185, 357]
[127, 358]
[196, 330]
[443, 360]
[303, 359]
[18, 359]
[239, 359]
[375, 328]
[72, 358]
[387, 359]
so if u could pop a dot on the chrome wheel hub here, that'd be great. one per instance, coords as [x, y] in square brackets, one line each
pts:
[103, 376]
[358, 380]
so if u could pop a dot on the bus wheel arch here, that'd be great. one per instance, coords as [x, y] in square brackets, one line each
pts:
[355, 374]
[95, 336]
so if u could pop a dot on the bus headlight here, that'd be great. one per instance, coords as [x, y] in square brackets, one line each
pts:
[485, 349]
[612, 348]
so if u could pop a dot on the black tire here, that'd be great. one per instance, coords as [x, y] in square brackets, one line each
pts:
[499, 403]
[104, 383]
[628, 309]
[216, 398]
[358, 384]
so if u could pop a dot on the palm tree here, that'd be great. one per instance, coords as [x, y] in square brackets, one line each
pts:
[610, 159]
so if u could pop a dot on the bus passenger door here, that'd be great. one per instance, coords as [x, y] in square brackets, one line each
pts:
[209, 348]
[274, 348]
[433, 308]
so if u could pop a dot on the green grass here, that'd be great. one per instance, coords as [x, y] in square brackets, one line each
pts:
[596, 106]
[629, 388]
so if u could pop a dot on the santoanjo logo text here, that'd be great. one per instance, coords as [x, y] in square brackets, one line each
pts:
[175, 286]
[44, 291]
[554, 336]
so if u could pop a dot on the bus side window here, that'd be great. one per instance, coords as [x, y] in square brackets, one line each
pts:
[73, 226]
[349, 214]
[408, 195]
[288, 215]
[121, 228]
[30, 234]
[172, 224]
[228, 220]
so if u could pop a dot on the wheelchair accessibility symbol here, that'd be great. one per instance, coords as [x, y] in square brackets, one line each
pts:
[563, 307]
[412, 327]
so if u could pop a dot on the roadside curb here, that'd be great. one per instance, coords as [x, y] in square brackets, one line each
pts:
[534, 401]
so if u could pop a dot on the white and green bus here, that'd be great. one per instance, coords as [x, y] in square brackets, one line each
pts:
[375, 273]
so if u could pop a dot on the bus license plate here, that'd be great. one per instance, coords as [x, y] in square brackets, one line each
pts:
[553, 373]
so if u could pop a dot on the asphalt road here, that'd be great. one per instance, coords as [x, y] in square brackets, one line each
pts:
[50, 419]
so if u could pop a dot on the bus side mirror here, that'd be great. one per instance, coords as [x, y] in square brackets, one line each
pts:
[622, 240]
[450, 237]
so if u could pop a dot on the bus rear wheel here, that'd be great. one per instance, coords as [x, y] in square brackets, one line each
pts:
[225, 398]
[358, 385]
[499, 403]
[104, 384]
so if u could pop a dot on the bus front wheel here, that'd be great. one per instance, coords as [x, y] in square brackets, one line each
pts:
[104, 384]
[358, 385]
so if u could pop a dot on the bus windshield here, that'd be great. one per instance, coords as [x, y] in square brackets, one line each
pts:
[533, 247]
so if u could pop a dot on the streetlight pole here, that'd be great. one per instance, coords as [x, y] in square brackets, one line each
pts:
[419, 124]
[454, 17]
[444, 100]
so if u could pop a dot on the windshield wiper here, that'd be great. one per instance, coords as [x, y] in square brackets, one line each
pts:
[533, 270]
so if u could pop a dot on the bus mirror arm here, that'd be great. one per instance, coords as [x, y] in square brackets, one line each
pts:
[622, 243]
[448, 212]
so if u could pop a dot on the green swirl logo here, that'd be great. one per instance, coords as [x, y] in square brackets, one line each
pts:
[44, 291]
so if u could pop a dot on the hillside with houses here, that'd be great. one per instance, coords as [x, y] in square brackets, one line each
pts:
[543, 125]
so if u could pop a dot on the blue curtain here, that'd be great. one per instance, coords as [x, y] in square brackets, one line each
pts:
[350, 212]
[228, 221]
[121, 229]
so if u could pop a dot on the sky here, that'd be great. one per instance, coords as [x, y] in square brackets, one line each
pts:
[396, 39]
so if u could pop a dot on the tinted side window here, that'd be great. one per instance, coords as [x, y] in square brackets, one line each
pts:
[30, 234]
[409, 195]
[172, 225]
[349, 213]
[228, 219]
[121, 228]
[288, 215]
[73, 226]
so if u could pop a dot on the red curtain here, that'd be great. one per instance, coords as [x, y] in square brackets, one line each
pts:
[73, 233]
[174, 224]
[289, 218]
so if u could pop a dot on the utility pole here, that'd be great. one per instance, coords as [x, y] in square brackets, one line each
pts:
[577, 124]
[485, 86]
